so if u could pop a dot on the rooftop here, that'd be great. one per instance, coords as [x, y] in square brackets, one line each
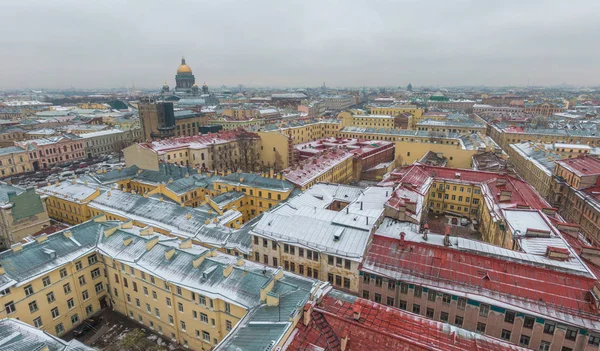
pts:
[192, 142]
[581, 166]
[382, 328]
[501, 277]
[18, 336]
[312, 168]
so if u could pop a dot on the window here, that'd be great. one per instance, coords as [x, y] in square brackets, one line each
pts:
[505, 334]
[89, 309]
[202, 300]
[528, 322]
[63, 273]
[404, 288]
[509, 317]
[458, 320]
[377, 298]
[70, 303]
[484, 310]
[564, 348]
[37, 322]
[594, 340]
[418, 291]
[33, 306]
[157, 312]
[10, 308]
[180, 306]
[347, 264]
[430, 312]
[444, 316]
[446, 298]
[481, 327]
[338, 261]
[78, 265]
[137, 302]
[145, 291]
[431, 295]
[347, 283]
[92, 259]
[169, 302]
[182, 325]
[134, 286]
[99, 287]
[28, 290]
[571, 334]
[365, 294]
[74, 318]
[179, 291]
[227, 307]
[203, 318]
[524, 340]
[391, 285]
[148, 309]
[95, 273]
[549, 328]
[50, 297]
[416, 308]
[402, 304]
[378, 281]
[67, 288]
[205, 336]
[227, 325]
[82, 280]
[170, 319]
[55, 313]
[46, 281]
[85, 295]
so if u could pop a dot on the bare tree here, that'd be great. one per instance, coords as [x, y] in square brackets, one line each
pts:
[249, 157]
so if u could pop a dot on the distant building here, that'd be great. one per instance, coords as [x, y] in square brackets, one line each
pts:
[23, 214]
[47, 152]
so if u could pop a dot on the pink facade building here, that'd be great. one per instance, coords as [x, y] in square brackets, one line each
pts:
[47, 152]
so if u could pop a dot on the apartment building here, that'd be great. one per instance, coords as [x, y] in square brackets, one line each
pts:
[181, 291]
[476, 195]
[107, 141]
[575, 193]
[465, 283]
[321, 233]
[504, 135]
[224, 150]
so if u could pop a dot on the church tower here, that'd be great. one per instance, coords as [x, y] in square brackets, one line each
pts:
[184, 80]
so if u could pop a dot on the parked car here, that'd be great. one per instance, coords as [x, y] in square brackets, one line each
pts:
[86, 325]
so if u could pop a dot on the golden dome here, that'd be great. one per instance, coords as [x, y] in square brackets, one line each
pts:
[195, 85]
[183, 68]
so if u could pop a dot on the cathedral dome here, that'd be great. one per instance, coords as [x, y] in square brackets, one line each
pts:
[183, 68]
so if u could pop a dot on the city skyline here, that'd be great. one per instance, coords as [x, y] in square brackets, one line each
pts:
[357, 44]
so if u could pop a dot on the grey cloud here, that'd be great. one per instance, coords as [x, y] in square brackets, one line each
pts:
[86, 44]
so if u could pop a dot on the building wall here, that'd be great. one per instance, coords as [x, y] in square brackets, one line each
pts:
[408, 152]
[47, 155]
[15, 228]
[276, 150]
[15, 163]
[531, 173]
[339, 271]
[470, 314]
[142, 157]
[69, 211]
[394, 111]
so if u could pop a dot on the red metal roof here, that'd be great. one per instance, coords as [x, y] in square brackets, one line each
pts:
[384, 328]
[581, 166]
[463, 271]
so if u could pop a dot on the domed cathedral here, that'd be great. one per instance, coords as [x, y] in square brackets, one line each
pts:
[184, 80]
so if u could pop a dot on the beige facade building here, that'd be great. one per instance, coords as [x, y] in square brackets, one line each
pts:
[22, 213]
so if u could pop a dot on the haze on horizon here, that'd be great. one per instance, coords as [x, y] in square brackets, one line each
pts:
[105, 44]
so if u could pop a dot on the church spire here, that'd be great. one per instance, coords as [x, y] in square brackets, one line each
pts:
[182, 60]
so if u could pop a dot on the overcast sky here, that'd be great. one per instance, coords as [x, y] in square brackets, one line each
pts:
[106, 43]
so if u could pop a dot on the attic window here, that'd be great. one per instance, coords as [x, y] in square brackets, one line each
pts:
[338, 235]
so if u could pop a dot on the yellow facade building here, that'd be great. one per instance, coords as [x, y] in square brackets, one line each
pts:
[14, 160]
[59, 280]
[394, 110]
[22, 213]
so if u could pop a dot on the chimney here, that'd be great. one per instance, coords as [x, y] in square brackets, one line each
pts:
[447, 237]
[186, 244]
[402, 234]
[169, 254]
[500, 181]
[16, 247]
[41, 238]
[146, 231]
[361, 205]
[356, 309]
[127, 241]
[67, 234]
[505, 195]
[344, 339]
[308, 309]
[227, 270]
